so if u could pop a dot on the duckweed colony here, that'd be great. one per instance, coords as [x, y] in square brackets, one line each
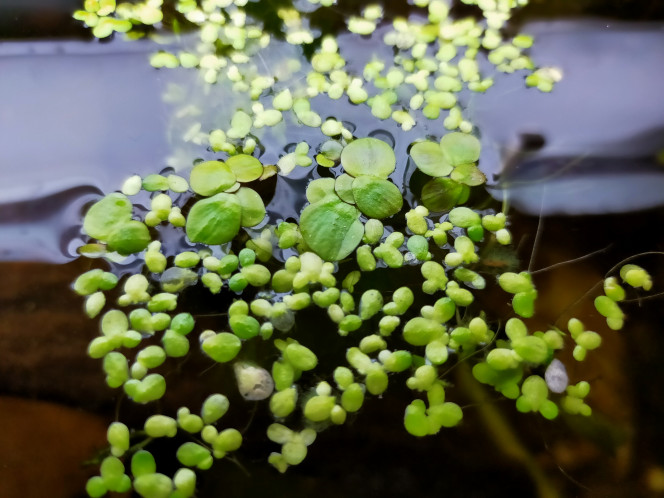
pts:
[357, 220]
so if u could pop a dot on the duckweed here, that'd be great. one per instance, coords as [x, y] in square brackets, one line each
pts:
[357, 227]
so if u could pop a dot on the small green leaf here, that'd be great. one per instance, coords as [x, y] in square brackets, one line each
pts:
[468, 174]
[460, 148]
[153, 486]
[240, 125]
[343, 186]
[377, 198]
[419, 331]
[300, 357]
[532, 349]
[106, 215]
[215, 220]
[246, 168]
[331, 228]
[319, 188]
[222, 347]
[211, 177]
[253, 208]
[523, 303]
[129, 238]
[151, 388]
[442, 194]
[368, 156]
[244, 326]
[214, 407]
[143, 462]
[464, 217]
[448, 414]
[515, 282]
[429, 159]
[415, 419]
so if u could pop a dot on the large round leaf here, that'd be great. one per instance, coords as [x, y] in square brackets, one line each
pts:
[211, 177]
[106, 215]
[442, 194]
[460, 148]
[331, 228]
[246, 168]
[429, 159]
[376, 197]
[368, 156]
[253, 208]
[215, 220]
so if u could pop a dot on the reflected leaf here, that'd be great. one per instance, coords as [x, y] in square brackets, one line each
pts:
[331, 150]
[268, 172]
[175, 279]
[240, 125]
[92, 250]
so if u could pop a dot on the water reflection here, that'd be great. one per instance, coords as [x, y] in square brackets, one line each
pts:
[95, 113]
[44, 228]
[603, 124]
[88, 113]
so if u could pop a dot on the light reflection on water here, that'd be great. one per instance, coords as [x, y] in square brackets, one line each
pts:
[602, 125]
[83, 117]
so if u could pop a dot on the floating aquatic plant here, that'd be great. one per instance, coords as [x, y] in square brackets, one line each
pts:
[517, 362]
[357, 220]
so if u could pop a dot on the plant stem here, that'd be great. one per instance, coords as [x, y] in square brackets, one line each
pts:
[502, 434]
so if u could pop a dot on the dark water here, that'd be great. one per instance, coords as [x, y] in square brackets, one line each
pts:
[83, 116]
